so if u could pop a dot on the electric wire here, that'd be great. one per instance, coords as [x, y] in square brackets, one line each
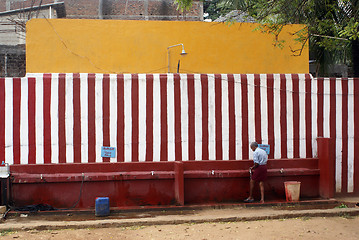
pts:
[80, 194]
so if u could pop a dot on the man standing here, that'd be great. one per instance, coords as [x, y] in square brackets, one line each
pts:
[259, 170]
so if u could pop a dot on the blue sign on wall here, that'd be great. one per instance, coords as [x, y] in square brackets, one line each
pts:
[265, 147]
[109, 152]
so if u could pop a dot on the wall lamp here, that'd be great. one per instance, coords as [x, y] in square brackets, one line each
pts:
[168, 52]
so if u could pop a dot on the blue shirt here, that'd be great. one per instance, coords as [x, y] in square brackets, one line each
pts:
[260, 156]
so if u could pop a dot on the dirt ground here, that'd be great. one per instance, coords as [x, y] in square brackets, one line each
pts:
[300, 228]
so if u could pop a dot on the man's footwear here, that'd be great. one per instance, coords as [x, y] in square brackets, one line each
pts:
[248, 200]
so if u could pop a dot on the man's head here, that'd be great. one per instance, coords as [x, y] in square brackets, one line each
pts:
[253, 146]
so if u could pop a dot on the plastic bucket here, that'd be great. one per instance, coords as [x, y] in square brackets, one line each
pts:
[102, 207]
[292, 191]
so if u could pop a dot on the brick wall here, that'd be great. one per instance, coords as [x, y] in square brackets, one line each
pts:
[12, 61]
[81, 8]
[131, 9]
[116, 9]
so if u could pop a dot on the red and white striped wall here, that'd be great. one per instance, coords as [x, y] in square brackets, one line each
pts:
[66, 118]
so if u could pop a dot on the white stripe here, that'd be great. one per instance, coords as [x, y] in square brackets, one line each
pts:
[225, 118]
[184, 115]
[314, 99]
[128, 117]
[98, 116]
[113, 114]
[54, 112]
[277, 125]
[142, 113]
[39, 119]
[264, 108]
[350, 135]
[339, 138]
[69, 118]
[84, 117]
[211, 117]
[198, 116]
[290, 139]
[238, 111]
[24, 122]
[170, 118]
[302, 114]
[9, 157]
[156, 117]
[251, 111]
[326, 109]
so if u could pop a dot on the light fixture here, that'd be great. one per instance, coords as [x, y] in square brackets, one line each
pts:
[168, 53]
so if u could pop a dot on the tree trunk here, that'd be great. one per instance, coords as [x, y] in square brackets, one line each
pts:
[355, 59]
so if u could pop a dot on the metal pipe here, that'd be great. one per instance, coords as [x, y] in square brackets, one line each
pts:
[100, 9]
[5, 65]
[168, 53]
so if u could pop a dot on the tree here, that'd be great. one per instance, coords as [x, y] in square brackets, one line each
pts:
[332, 26]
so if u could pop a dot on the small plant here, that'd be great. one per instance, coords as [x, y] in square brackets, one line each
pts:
[6, 232]
[342, 206]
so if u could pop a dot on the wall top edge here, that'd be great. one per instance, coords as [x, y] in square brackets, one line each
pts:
[169, 74]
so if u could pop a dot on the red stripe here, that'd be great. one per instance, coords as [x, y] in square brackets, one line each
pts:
[16, 119]
[149, 117]
[106, 112]
[356, 134]
[245, 140]
[47, 118]
[164, 131]
[120, 119]
[135, 119]
[320, 120]
[296, 120]
[345, 135]
[218, 116]
[204, 85]
[332, 113]
[257, 107]
[283, 115]
[177, 101]
[2, 120]
[308, 116]
[270, 106]
[32, 123]
[232, 118]
[191, 117]
[77, 118]
[91, 119]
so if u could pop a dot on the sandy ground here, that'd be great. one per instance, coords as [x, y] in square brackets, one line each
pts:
[301, 228]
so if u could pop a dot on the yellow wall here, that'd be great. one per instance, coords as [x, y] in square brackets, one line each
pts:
[116, 46]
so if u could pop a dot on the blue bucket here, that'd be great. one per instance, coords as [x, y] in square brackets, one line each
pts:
[102, 206]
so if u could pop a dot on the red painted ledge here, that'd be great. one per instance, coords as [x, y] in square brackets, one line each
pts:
[155, 183]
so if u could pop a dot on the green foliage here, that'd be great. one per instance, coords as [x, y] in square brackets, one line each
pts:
[212, 8]
[183, 4]
[6, 232]
[272, 29]
[342, 205]
[350, 31]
